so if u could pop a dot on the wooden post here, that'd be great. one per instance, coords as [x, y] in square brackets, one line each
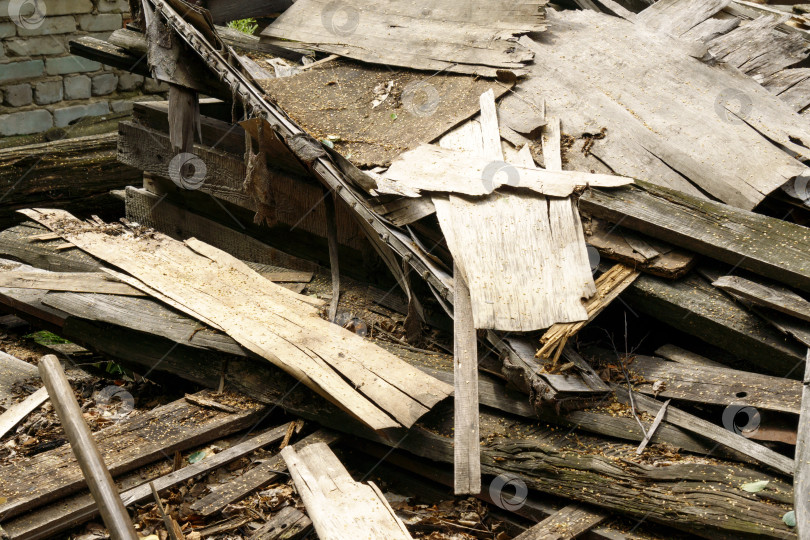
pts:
[801, 479]
[98, 478]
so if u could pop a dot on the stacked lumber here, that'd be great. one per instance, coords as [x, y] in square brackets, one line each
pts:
[588, 225]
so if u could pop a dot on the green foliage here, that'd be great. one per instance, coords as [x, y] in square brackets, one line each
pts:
[246, 26]
[43, 337]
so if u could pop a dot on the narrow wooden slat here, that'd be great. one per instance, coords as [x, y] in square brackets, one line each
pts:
[287, 524]
[18, 412]
[568, 522]
[778, 298]
[801, 476]
[467, 459]
[682, 356]
[339, 507]
[767, 246]
[89, 282]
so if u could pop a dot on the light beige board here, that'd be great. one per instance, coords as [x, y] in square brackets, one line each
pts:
[273, 322]
[508, 247]
[339, 507]
[433, 168]
[473, 36]
[666, 114]
[89, 282]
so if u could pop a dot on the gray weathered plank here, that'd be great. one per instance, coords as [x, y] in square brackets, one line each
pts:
[774, 297]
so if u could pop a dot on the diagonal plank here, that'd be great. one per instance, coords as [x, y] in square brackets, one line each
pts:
[369, 383]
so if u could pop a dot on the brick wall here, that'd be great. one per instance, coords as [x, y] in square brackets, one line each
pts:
[41, 84]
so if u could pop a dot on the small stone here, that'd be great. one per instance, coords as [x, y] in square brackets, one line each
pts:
[129, 81]
[14, 71]
[48, 92]
[70, 64]
[7, 29]
[113, 6]
[25, 123]
[67, 115]
[77, 87]
[49, 26]
[101, 23]
[34, 46]
[18, 95]
[104, 84]
[121, 106]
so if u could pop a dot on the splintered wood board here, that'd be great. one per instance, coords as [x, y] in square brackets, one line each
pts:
[89, 282]
[127, 445]
[433, 168]
[663, 110]
[464, 37]
[768, 246]
[339, 507]
[503, 244]
[371, 384]
[335, 101]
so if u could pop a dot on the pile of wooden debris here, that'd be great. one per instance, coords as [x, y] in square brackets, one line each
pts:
[587, 225]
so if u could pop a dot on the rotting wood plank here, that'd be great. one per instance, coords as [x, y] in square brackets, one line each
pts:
[682, 356]
[716, 385]
[801, 476]
[286, 524]
[466, 444]
[475, 39]
[464, 173]
[774, 297]
[399, 395]
[261, 475]
[693, 306]
[720, 435]
[19, 411]
[568, 522]
[125, 446]
[339, 507]
[12, 371]
[764, 245]
[88, 282]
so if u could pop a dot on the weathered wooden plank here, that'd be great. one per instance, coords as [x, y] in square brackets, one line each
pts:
[676, 17]
[399, 394]
[287, 524]
[682, 356]
[89, 282]
[774, 297]
[475, 38]
[568, 522]
[12, 370]
[767, 246]
[464, 173]
[720, 435]
[339, 507]
[466, 444]
[223, 11]
[801, 478]
[717, 385]
[109, 54]
[261, 475]
[693, 306]
[131, 443]
[18, 412]
[646, 140]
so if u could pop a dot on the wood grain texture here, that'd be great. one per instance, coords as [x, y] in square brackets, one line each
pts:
[465, 174]
[584, 67]
[774, 297]
[801, 477]
[89, 282]
[717, 385]
[131, 443]
[339, 507]
[220, 290]
[767, 246]
[475, 36]
[19, 411]
[568, 522]
[466, 443]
